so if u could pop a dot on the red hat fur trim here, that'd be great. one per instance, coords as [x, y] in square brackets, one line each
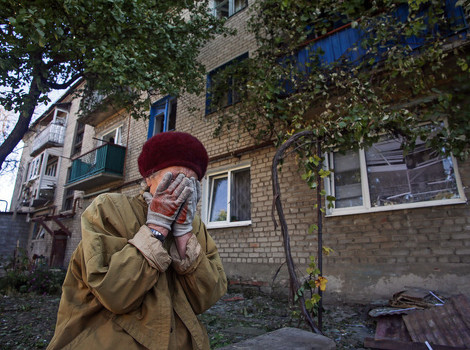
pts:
[170, 149]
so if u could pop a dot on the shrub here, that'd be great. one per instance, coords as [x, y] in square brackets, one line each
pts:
[22, 276]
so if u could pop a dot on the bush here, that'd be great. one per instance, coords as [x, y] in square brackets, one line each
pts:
[22, 276]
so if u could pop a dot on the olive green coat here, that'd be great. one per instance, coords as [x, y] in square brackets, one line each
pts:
[125, 290]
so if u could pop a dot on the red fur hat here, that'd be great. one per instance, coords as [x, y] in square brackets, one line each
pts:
[172, 148]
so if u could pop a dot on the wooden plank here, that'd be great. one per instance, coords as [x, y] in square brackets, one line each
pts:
[391, 327]
[443, 325]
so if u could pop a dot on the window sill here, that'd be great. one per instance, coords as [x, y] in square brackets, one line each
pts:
[227, 224]
[363, 210]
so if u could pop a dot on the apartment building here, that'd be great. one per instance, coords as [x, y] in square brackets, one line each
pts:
[382, 241]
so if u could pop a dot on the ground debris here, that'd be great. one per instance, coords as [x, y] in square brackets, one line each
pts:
[426, 325]
[28, 321]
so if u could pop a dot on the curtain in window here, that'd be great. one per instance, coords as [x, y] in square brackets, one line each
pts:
[240, 196]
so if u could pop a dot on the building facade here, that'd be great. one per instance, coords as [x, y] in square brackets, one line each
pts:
[382, 240]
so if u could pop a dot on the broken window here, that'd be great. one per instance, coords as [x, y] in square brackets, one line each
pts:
[384, 176]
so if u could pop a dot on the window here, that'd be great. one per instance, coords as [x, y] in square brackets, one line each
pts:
[77, 143]
[222, 89]
[227, 198]
[39, 231]
[227, 8]
[113, 137]
[35, 168]
[162, 116]
[382, 178]
[68, 199]
[51, 168]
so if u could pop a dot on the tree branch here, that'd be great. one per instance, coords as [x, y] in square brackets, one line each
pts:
[23, 122]
[65, 85]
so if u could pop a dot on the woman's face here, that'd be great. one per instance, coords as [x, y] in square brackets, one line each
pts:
[154, 180]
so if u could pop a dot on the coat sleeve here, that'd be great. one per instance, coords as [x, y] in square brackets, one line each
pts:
[115, 271]
[201, 274]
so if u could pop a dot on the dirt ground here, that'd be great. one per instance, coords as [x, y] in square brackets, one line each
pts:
[28, 321]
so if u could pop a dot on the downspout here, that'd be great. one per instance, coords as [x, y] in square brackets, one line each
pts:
[127, 147]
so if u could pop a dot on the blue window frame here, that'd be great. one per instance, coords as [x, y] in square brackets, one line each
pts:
[226, 88]
[162, 116]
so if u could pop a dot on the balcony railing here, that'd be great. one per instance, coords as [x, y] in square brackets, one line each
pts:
[51, 136]
[97, 167]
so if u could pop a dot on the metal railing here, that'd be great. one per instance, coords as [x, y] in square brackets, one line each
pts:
[108, 158]
[53, 133]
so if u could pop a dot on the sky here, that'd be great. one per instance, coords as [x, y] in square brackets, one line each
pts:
[7, 181]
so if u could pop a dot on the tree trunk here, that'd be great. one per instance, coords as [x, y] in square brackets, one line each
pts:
[22, 125]
[294, 281]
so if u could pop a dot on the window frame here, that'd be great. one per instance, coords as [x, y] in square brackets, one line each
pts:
[116, 133]
[231, 7]
[367, 207]
[78, 139]
[232, 98]
[52, 165]
[207, 195]
[68, 196]
[170, 106]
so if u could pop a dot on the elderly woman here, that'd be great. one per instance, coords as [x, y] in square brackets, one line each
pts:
[146, 265]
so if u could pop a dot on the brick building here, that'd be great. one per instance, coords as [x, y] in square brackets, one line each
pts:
[381, 244]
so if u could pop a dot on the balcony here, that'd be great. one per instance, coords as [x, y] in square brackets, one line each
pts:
[344, 43]
[51, 136]
[101, 108]
[98, 167]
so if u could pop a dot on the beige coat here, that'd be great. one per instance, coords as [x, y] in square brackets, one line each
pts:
[123, 290]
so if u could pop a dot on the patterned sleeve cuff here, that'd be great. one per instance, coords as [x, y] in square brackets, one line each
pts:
[151, 248]
[191, 260]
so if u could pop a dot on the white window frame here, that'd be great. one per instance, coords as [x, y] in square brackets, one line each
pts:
[206, 195]
[231, 7]
[35, 167]
[117, 135]
[366, 206]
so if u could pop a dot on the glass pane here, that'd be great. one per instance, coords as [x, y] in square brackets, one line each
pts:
[172, 116]
[347, 176]
[218, 200]
[240, 204]
[158, 124]
[238, 5]
[423, 175]
[221, 8]
[219, 90]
